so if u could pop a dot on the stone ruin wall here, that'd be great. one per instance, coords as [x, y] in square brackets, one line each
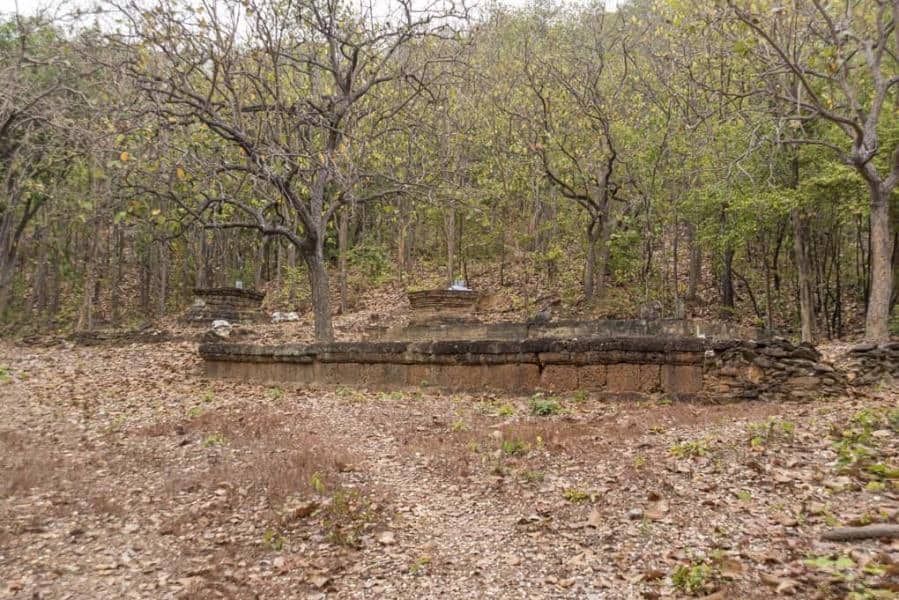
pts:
[678, 366]
[772, 369]
[618, 366]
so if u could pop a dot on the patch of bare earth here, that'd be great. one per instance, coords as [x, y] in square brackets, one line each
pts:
[127, 474]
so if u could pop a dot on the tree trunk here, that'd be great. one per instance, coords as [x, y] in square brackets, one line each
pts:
[806, 305]
[878, 315]
[727, 284]
[318, 280]
[116, 300]
[590, 263]
[450, 227]
[695, 263]
[343, 222]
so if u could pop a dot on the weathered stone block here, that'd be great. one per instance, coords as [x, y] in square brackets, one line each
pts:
[632, 378]
[591, 377]
[681, 379]
[559, 378]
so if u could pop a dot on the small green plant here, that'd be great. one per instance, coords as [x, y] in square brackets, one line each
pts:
[505, 410]
[744, 495]
[275, 393]
[273, 539]
[830, 564]
[532, 476]
[893, 419]
[214, 439]
[691, 579]
[576, 495]
[194, 412]
[207, 397]
[420, 563]
[514, 447]
[867, 419]
[765, 433]
[544, 406]
[5, 374]
[579, 397]
[883, 471]
[691, 448]
[346, 517]
[459, 425]
[317, 483]
[116, 424]
[639, 462]
[664, 401]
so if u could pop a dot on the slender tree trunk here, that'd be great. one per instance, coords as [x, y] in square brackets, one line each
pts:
[8, 260]
[450, 227]
[342, 226]
[318, 280]
[115, 285]
[803, 266]
[86, 312]
[590, 263]
[163, 295]
[878, 315]
[695, 263]
[727, 284]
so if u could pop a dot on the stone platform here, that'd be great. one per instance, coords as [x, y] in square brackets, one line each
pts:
[234, 305]
[618, 366]
[721, 370]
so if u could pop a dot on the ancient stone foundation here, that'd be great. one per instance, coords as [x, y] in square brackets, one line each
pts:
[676, 366]
[234, 305]
[616, 366]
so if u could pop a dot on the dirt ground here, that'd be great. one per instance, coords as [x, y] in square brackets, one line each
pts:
[124, 473]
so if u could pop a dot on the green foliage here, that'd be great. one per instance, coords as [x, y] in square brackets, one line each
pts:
[543, 406]
[273, 540]
[346, 518]
[372, 261]
[514, 447]
[691, 579]
[214, 439]
[691, 448]
[773, 430]
[576, 495]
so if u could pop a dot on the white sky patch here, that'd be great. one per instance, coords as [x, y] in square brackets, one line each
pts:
[30, 7]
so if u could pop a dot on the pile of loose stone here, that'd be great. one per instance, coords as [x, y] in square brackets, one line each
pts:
[774, 369]
[869, 363]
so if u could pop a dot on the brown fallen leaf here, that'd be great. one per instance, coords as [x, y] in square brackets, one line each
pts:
[657, 510]
[731, 568]
[781, 585]
[653, 575]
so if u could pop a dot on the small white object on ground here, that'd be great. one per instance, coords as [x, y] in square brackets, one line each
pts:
[278, 317]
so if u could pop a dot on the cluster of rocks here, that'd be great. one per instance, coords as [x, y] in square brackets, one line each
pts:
[228, 304]
[869, 363]
[773, 369]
